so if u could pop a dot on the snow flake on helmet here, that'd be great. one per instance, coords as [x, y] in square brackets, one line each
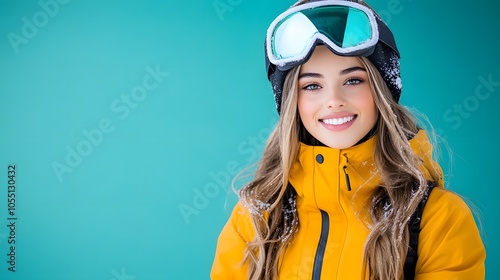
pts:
[391, 71]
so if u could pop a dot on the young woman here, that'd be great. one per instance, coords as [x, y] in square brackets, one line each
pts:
[346, 173]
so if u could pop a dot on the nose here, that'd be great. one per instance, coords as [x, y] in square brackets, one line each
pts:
[335, 99]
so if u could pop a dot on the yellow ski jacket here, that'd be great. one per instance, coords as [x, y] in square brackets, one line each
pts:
[330, 240]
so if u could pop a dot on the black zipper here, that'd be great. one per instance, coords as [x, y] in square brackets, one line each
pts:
[320, 252]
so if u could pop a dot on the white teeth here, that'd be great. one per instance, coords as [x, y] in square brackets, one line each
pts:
[338, 121]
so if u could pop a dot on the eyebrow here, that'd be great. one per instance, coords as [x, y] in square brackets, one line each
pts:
[343, 72]
[352, 69]
[310, 75]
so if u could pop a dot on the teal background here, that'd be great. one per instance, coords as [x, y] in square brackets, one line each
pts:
[117, 214]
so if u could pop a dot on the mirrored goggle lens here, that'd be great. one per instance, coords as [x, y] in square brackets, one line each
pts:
[345, 27]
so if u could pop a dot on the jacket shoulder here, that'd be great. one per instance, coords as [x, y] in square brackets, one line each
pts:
[445, 203]
[450, 245]
[241, 222]
[231, 246]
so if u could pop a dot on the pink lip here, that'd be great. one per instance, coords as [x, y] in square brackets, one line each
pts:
[340, 127]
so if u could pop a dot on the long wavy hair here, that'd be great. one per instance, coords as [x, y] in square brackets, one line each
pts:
[272, 201]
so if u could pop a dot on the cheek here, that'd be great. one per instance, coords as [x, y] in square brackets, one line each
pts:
[305, 108]
[367, 105]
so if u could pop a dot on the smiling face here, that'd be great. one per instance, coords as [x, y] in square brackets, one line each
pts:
[335, 101]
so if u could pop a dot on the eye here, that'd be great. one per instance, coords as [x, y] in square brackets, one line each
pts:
[311, 87]
[353, 81]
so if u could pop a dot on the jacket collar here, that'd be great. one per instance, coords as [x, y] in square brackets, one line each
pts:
[319, 173]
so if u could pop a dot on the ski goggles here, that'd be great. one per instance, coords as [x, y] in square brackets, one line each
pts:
[346, 28]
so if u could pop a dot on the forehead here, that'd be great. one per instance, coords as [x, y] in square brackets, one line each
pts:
[322, 59]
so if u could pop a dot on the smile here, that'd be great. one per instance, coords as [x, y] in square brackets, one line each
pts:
[338, 121]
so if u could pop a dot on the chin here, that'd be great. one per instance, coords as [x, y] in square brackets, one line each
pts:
[337, 145]
[346, 142]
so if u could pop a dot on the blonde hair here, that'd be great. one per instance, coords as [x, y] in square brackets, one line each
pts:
[403, 183]
[268, 197]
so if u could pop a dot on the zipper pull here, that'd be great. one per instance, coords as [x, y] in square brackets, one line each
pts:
[347, 181]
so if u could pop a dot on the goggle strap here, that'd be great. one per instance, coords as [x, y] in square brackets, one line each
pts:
[386, 36]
